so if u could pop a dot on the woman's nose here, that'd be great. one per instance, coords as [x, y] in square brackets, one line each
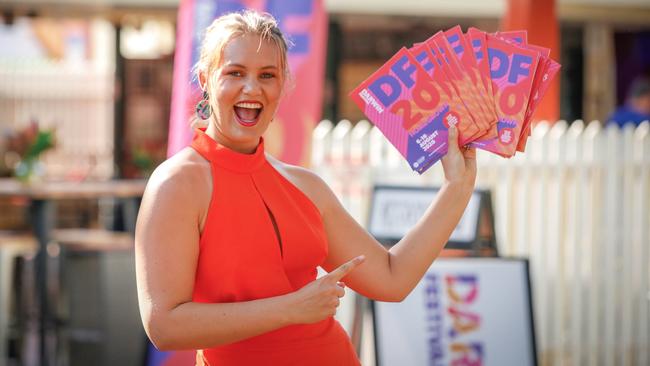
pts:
[251, 86]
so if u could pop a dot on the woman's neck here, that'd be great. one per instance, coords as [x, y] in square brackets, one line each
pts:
[238, 146]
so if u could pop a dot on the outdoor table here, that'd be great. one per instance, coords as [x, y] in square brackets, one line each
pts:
[42, 198]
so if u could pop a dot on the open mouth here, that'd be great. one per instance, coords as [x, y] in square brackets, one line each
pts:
[248, 113]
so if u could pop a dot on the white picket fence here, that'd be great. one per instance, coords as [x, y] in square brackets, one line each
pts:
[75, 101]
[577, 204]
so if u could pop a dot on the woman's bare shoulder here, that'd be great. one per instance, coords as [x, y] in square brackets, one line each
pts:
[185, 177]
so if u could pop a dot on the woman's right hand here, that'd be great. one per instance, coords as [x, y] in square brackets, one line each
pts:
[459, 165]
[319, 299]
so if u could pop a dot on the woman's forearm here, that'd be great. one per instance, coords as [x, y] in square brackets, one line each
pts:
[411, 257]
[195, 325]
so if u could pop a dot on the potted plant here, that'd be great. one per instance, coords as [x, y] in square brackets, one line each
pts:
[24, 149]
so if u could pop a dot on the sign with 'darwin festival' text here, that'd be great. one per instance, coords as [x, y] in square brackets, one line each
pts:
[469, 312]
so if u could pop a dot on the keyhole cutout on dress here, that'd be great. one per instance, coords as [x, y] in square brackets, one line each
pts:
[275, 227]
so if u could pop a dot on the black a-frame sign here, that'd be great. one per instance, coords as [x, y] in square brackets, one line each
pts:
[395, 209]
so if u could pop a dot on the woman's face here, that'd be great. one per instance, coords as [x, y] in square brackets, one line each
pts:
[245, 90]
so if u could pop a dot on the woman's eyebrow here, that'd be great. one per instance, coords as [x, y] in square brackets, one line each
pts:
[244, 67]
[234, 65]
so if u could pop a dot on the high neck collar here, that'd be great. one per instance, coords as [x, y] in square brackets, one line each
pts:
[226, 157]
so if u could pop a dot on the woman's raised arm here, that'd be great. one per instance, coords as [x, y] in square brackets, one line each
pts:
[390, 275]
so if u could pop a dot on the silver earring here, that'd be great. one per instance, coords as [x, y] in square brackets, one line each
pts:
[203, 109]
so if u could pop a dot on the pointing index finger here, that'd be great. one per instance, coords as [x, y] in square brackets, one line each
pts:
[346, 268]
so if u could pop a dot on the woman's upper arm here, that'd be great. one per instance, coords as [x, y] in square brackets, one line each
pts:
[166, 242]
[348, 239]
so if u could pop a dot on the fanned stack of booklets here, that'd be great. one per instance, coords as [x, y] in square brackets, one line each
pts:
[488, 85]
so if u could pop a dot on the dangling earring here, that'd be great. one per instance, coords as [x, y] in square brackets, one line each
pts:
[203, 109]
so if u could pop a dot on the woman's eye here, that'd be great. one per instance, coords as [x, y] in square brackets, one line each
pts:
[268, 75]
[235, 73]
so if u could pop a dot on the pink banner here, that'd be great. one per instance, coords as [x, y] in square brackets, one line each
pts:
[304, 22]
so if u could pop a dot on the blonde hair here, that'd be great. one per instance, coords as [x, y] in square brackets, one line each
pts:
[232, 25]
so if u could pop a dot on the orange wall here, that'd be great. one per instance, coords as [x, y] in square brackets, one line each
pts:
[539, 18]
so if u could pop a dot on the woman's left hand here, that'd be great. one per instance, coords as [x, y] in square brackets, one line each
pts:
[459, 164]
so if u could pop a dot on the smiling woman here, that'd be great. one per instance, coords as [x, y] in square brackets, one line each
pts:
[228, 239]
[245, 87]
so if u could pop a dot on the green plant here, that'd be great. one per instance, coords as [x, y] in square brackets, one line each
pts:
[24, 148]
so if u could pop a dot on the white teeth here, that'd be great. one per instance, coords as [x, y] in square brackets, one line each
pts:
[249, 105]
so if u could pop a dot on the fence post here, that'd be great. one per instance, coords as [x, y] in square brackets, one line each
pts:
[592, 152]
[321, 143]
[358, 172]
[626, 162]
[555, 244]
[641, 239]
[574, 242]
[338, 157]
[537, 151]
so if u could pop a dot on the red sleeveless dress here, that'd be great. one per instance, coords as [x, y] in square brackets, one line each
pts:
[262, 237]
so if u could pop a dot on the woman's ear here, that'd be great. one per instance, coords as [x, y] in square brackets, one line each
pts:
[202, 80]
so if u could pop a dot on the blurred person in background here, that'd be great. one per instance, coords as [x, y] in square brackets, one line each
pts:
[637, 106]
[228, 239]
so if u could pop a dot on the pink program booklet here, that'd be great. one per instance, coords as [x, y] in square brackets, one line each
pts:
[467, 129]
[546, 70]
[512, 70]
[489, 86]
[477, 39]
[441, 49]
[463, 52]
[542, 81]
[403, 101]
